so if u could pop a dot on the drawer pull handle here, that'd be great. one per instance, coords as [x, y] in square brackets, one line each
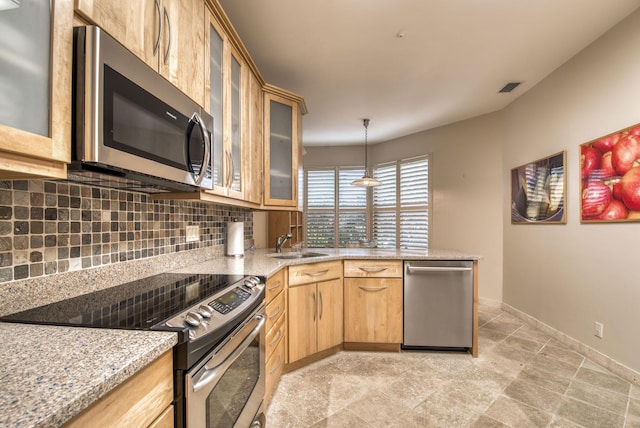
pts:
[372, 270]
[316, 273]
[361, 287]
[271, 371]
[276, 285]
[275, 314]
[277, 338]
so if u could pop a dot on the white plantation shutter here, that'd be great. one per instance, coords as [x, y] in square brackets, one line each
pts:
[352, 208]
[384, 207]
[320, 201]
[338, 212]
[401, 205]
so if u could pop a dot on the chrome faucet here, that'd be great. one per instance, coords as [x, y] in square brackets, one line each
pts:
[280, 240]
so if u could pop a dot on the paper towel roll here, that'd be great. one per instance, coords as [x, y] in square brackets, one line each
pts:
[235, 239]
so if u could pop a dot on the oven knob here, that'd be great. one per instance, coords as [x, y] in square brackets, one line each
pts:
[206, 311]
[193, 319]
[249, 283]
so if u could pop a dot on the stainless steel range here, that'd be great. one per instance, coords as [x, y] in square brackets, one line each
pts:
[220, 357]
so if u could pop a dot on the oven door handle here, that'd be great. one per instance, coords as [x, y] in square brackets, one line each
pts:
[212, 373]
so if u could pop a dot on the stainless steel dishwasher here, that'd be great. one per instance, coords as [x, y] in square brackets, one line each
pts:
[438, 304]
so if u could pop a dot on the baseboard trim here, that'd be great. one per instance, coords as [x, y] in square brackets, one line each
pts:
[596, 356]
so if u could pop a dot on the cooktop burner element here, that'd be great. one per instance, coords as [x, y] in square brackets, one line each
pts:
[135, 305]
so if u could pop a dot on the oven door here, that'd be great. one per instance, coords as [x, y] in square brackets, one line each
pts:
[227, 386]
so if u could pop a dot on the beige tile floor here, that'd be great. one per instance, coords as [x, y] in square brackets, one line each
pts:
[522, 378]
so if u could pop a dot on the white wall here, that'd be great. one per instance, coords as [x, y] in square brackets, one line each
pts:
[466, 187]
[573, 275]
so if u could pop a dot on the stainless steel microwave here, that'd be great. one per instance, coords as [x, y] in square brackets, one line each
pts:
[132, 129]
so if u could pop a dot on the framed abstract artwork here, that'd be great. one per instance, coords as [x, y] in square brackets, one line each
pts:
[538, 191]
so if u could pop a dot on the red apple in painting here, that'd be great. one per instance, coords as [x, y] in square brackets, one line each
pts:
[595, 198]
[617, 191]
[630, 189]
[606, 167]
[589, 160]
[616, 210]
[605, 144]
[625, 153]
[635, 131]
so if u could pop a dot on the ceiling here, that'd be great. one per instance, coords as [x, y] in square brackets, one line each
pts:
[411, 65]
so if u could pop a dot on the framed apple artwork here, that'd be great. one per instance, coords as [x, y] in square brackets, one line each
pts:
[610, 177]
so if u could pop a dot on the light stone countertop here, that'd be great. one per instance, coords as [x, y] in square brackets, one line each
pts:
[50, 374]
[263, 262]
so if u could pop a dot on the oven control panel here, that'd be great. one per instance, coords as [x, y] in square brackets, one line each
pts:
[210, 314]
[230, 300]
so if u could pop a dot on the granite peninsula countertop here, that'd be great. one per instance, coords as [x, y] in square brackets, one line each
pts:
[49, 374]
[263, 262]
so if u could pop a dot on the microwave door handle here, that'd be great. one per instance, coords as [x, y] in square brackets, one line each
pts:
[195, 119]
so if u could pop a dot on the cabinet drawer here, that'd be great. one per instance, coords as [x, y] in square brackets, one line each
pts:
[314, 272]
[274, 310]
[274, 285]
[274, 367]
[275, 335]
[373, 268]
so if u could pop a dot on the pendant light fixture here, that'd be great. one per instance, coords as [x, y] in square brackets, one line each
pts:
[366, 180]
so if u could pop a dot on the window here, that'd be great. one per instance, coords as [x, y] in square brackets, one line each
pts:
[401, 204]
[336, 210]
[394, 214]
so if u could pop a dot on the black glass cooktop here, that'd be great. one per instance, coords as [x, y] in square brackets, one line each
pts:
[136, 305]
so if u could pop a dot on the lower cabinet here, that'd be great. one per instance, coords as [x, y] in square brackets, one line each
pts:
[315, 309]
[373, 301]
[276, 327]
[142, 401]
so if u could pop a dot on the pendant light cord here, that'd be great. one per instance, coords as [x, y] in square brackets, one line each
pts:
[366, 151]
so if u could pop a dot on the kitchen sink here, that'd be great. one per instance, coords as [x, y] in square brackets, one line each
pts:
[296, 255]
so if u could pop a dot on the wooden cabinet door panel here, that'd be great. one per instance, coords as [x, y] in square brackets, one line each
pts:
[330, 314]
[373, 310]
[182, 56]
[135, 24]
[302, 316]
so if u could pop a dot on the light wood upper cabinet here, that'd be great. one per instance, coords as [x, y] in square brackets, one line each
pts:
[166, 34]
[43, 153]
[253, 162]
[282, 129]
[224, 90]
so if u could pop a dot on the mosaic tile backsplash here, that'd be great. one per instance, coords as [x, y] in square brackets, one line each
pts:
[47, 227]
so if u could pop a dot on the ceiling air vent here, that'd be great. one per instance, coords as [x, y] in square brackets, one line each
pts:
[510, 86]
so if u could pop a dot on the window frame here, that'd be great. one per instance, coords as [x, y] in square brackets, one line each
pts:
[369, 208]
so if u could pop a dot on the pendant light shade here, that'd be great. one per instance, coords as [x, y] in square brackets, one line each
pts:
[366, 180]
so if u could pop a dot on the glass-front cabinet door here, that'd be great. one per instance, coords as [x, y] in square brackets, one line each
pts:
[236, 128]
[281, 151]
[224, 102]
[35, 88]
[215, 101]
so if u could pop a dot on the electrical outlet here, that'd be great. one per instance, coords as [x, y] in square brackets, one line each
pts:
[599, 332]
[192, 233]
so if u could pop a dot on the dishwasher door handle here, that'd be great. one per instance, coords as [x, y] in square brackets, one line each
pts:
[419, 269]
